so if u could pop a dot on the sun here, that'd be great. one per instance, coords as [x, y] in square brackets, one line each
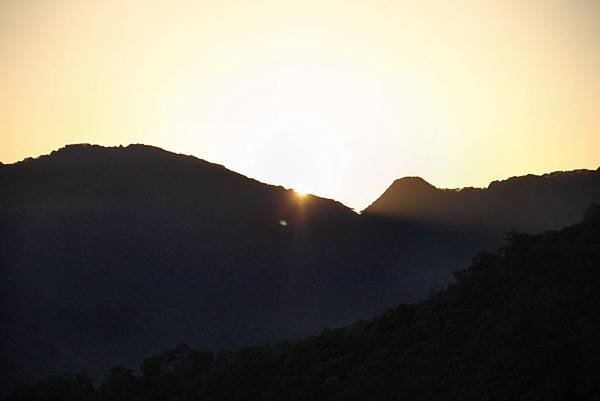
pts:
[300, 194]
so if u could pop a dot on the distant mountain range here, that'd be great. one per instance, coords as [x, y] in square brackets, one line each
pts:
[112, 254]
[530, 203]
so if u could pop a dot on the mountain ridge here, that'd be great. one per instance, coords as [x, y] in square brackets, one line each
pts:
[501, 206]
[74, 153]
[406, 183]
[137, 248]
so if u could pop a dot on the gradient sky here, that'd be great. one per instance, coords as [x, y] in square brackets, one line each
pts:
[337, 98]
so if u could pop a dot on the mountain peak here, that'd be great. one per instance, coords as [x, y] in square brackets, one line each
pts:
[412, 183]
[511, 203]
[86, 149]
[108, 158]
[402, 191]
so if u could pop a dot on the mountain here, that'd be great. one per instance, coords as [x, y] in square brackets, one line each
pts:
[530, 203]
[111, 254]
[519, 324]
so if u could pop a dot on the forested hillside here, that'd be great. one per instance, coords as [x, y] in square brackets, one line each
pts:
[531, 203]
[116, 253]
[519, 324]
[111, 254]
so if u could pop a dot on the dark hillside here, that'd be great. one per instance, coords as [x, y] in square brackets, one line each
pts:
[530, 203]
[520, 324]
[111, 254]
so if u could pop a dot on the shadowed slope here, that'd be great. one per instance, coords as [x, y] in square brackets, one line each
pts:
[531, 203]
[110, 254]
[117, 252]
[520, 324]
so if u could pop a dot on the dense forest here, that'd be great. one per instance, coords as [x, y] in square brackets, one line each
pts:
[110, 254]
[136, 249]
[519, 324]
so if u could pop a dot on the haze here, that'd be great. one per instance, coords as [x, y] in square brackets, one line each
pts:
[335, 98]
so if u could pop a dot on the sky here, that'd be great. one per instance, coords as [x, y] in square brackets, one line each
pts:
[335, 98]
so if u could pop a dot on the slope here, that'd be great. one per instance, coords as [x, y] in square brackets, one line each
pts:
[520, 324]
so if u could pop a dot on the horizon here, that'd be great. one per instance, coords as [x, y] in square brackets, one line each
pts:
[336, 99]
[299, 192]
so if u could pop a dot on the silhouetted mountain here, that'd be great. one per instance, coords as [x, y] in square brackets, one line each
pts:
[111, 254]
[520, 324]
[531, 203]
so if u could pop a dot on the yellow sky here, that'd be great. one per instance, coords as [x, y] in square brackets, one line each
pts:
[336, 98]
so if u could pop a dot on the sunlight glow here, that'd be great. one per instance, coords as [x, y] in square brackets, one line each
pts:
[337, 98]
[300, 194]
